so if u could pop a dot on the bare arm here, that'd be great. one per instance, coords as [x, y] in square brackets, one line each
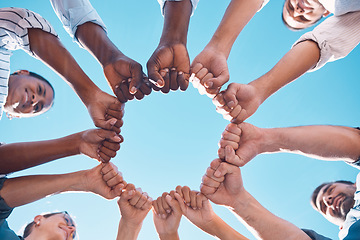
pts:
[96, 143]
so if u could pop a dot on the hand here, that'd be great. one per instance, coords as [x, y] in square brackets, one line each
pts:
[245, 139]
[167, 215]
[134, 206]
[104, 180]
[195, 207]
[106, 111]
[126, 78]
[100, 144]
[210, 67]
[222, 183]
[169, 67]
[238, 102]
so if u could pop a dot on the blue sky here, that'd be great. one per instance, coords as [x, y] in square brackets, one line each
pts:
[171, 139]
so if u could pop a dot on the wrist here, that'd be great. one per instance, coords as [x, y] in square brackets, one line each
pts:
[220, 45]
[169, 236]
[262, 88]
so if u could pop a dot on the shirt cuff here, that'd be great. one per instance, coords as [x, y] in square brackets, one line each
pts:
[194, 4]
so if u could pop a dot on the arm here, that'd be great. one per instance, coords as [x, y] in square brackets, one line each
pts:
[240, 101]
[325, 142]
[167, 215]
[169, 65]
[134, 206]
[223, 185]
[45, 46]
[97, 143]
[197, 208]
[210, 66]
[23, 190]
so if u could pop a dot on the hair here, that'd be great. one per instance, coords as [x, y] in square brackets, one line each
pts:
[317, 190]
[294, 28]
[35, 75]
[28, 229]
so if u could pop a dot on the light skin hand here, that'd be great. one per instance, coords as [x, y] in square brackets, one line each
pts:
[245, 139]
[100, 144]
[167, 215]
[199, 212]
[104, 180]
[210, 67]
[106, 111]
[238, 102]
[222, 183]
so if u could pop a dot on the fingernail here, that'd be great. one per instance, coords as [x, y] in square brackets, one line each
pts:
[168, 197]
[168, 211]
[133, 90]
[173, 69]
[159, 82]
[163, 216]
[231, 104]
[217, 173]
[113, 121]
[180, 73]
[131, 192]
[162, 73]
[188, 204]
[209, 84]
[117, 138]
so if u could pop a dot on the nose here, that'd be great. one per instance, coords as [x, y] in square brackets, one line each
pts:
[34, 99]
[328, 200]
[71, 231]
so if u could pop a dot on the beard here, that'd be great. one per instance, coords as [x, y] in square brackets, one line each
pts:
[345, 206]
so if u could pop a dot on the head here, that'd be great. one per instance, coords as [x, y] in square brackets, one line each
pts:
[56, 226]
[29, 94]
[334, 200]
[300, 14]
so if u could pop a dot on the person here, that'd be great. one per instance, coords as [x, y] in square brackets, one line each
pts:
[223, 185]
[333, 39]
[104, 180]
[21, 28]
[169, 65]
[29, 94]
[134, 205]
[302, 14]
[168, 209]
[99, 144]
[124, 75]
[338, 202]
[325, 142]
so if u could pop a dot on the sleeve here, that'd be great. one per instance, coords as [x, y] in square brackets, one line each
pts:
[353, 232]
[73, 13]
[194, 4]
[5, 210]
[314, 236]
[336, 37]
[14, 25]
[355, 164]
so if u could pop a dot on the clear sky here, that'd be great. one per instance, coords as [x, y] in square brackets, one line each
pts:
[171, 139]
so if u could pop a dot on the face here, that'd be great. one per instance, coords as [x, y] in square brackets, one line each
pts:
[28, 96]
[58, 227]
[303, 13]
[335, 200]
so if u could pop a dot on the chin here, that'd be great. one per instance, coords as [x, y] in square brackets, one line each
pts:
[345, 207]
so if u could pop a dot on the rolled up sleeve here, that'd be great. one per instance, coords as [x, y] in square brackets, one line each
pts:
[194, 4]
[336, 37]
[73, 13]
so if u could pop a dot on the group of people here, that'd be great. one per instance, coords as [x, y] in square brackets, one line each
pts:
[24, 94]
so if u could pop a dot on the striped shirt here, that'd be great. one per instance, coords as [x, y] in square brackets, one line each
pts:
[336, 37]
[14, 25]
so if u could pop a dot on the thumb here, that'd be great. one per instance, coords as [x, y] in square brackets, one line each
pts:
[154, 75]
[105, 124]
[137, 77]
[173, 203]
[110, 135]
[223, 169]
[181, 203]
[230, 95]
[218, 82]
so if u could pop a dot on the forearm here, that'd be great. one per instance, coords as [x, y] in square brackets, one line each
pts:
[95, 40]
[237, 15]
[218, 228]
[176, 23]
[262, 223]
[23, 190]
[19, 156]
[128, 231]
[296, 62]
[49, 49]
[322, 142]
[173, 236]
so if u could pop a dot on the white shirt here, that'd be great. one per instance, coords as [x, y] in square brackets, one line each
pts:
[14, 25]
[73, 13]
[194, 4]
[336, 37]
[354, 213]
[340, 7]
